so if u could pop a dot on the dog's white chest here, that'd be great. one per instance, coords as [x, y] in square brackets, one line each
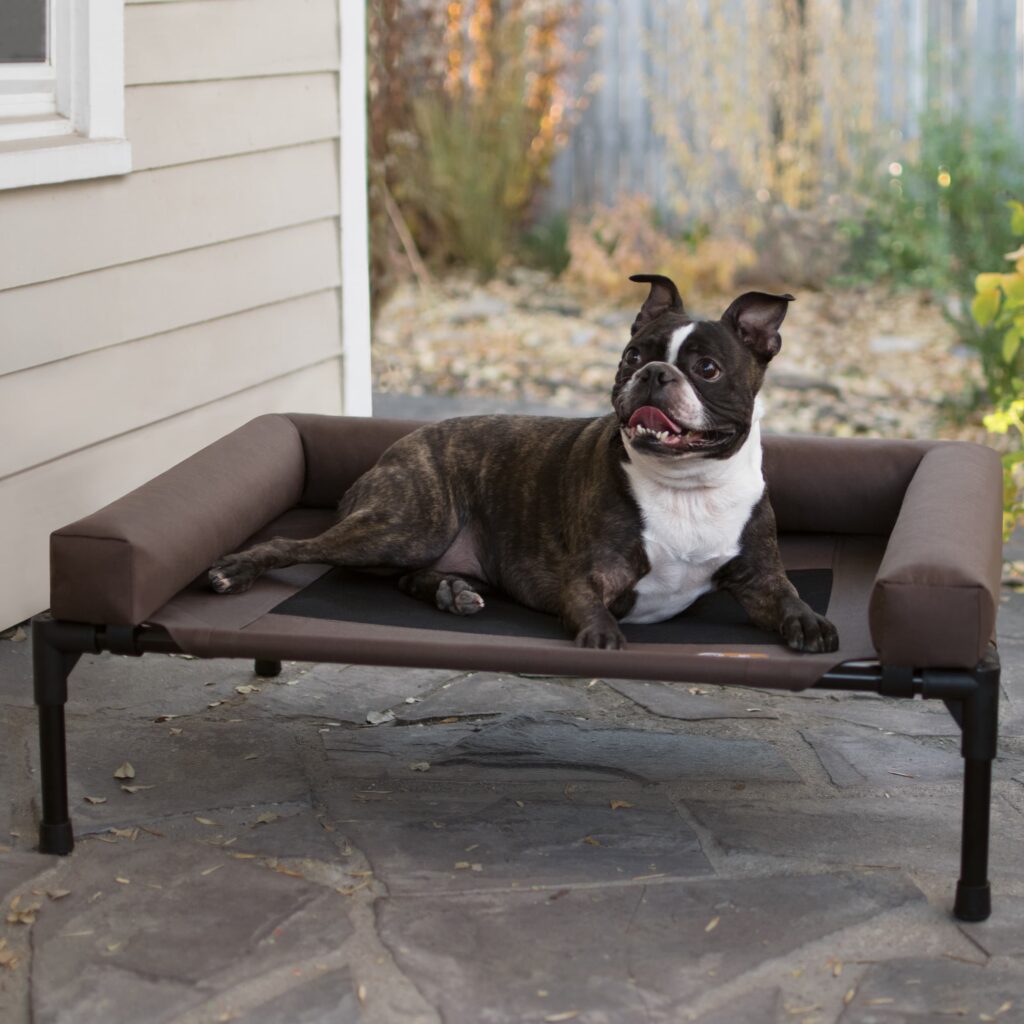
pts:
[692, 527]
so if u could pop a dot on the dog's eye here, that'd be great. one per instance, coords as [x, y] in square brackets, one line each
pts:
[708, 369]
[632, 356]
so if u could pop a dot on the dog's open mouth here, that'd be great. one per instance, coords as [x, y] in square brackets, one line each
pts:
[650, 424]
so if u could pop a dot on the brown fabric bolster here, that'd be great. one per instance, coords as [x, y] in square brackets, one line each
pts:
[120, 564]
[839, 485]
[936, 595]
[339, 449]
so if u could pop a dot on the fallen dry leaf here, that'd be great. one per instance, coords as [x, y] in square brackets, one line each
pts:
[554, 1018]
[244, 856]
[848, 998]
[215, 703]
[58, 894]
[205, 821]
[246, 688]
[996, 1014]
[379, 717]
[123, 881]
[18, 914]
[165, 718]
[266, 818]
[175, 732]
[591, 841]
[125, 833]
[290, 872]
[95, 799]
[450, 720]
[135, 788]
[616, 804]
[361, 993]
[462, 865]
[124, 771]
[250, 757]
[420, 766]
[210, 871]
[8, 958]
[712, 924]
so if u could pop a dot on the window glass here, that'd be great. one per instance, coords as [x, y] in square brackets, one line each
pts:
[22, 31]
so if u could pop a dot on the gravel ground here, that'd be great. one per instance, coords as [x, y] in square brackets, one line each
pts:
[862, 362]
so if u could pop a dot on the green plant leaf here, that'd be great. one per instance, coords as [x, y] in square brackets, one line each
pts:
[1011, 345]
[1017, 219]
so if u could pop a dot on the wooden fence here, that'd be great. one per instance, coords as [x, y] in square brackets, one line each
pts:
[689, 101]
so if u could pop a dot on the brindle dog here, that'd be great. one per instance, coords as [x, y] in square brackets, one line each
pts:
[630, 516]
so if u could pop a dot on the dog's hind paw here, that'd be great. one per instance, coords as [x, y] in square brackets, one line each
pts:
[231, 575]
[458, 597]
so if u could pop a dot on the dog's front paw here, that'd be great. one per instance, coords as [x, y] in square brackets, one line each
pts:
[606, 636]
[232, 575]
[806, 631]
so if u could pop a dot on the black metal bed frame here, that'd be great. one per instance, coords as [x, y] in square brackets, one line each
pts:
[972, 698]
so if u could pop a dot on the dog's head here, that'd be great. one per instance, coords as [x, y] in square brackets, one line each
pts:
[686, 388]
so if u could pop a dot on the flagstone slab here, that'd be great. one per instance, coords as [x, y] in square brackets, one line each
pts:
[213, 763]
[486, 693]
[273, 830]
[902, 717]
[346, 693]
[457, 838]
[16, 672]
[859, 757]
[18, 786]
[675, 701]
[155, 923]
[1003, 933]
[527, 746]
[17, 868]
[908, 991]
[330, 998]
[171, 684]
[633, 953]
[763, 1006]
[923, 832]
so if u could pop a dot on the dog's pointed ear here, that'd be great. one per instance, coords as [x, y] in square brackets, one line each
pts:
[664, 296]
[756, 318]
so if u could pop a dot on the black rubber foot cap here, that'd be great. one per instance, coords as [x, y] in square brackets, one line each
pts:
[57, 839]
[267, 669]
[973, 902]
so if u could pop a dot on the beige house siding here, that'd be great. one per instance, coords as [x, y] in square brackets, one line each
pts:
[142, 317]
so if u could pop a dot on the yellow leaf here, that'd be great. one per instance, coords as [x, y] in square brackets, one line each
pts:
[617, 804]
[985, 306]
[125, 771]
[712, 924]
[205, 821]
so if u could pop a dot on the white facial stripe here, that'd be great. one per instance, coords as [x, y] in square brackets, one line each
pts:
[675, 343]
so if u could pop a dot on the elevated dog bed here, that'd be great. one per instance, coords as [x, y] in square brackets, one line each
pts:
[896, 541]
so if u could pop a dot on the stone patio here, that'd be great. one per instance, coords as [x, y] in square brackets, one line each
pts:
[504, 849]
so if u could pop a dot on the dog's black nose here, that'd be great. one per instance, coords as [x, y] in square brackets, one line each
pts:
[657, 374]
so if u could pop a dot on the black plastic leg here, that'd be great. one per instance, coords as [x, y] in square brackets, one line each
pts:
[973, 896]
[267, 669]
[979, 720]
[50, 667]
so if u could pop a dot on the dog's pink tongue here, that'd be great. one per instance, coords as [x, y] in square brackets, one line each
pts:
[653, 419]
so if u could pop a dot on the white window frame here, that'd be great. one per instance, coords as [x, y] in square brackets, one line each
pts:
[63, 120]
